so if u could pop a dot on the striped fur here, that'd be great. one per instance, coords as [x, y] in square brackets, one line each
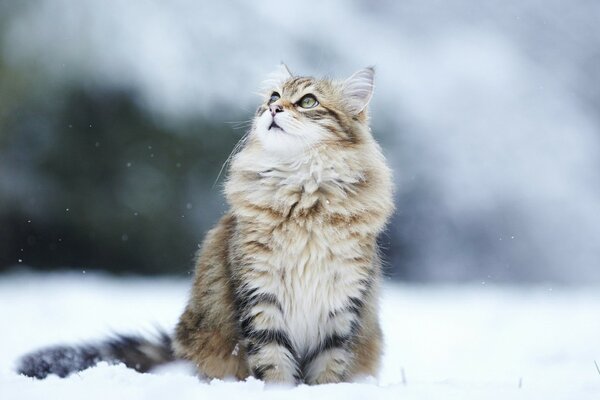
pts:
[287, 283]
[135, 352]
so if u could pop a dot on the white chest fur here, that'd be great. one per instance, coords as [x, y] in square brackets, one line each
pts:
[314, 264]
[310, 282]
[309, 268]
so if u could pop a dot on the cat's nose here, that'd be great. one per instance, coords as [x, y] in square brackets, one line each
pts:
[275, 108]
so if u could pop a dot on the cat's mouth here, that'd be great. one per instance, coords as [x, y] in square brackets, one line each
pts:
[274, 125]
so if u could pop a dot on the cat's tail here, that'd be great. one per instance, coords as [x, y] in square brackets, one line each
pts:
[137, 352]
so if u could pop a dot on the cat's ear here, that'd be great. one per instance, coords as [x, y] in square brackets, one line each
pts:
[285, 71]
[277, 78]
[358, 89]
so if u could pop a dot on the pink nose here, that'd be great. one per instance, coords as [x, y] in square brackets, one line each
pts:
[275, 108]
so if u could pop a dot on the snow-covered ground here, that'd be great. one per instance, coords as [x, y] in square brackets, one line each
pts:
[475, 341]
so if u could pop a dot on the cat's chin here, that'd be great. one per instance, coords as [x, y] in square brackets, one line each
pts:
[283, 151]
[278, 143]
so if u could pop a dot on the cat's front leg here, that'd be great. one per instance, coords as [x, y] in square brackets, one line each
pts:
[270, 352]
[332, 360]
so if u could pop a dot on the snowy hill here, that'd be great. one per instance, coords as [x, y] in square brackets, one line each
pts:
[442, 342]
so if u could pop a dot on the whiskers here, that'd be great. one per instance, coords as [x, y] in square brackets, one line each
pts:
[238, 146]
[241, 124]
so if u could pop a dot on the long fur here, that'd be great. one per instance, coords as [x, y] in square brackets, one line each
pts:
[286, 285]
[136, 352]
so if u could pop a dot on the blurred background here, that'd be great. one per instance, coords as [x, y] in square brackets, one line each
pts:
[116, 117]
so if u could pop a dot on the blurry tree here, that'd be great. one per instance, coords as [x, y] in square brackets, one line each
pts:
[112, 127]
[92, 181]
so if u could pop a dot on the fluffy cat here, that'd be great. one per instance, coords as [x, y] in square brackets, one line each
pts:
[286, 284]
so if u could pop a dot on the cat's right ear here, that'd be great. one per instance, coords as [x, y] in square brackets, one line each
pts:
[358, 90]
[277, 78]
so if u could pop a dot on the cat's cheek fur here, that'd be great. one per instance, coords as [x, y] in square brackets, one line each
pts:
[292, 140]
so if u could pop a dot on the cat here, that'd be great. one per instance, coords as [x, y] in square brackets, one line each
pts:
[286, 284]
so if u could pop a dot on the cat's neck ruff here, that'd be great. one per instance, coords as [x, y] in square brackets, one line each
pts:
[318, 175]
[313, 164]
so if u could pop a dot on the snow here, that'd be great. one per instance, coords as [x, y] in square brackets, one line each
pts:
[468, 341]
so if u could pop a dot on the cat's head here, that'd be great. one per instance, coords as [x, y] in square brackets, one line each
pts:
[300, 112]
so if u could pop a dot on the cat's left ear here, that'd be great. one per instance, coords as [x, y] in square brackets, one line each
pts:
[358, 89]
[277, 78]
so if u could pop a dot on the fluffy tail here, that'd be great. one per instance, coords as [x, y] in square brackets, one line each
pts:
[135, 352]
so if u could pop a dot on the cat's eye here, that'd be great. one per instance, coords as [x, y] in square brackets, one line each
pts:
[274, 97]
[308, 101]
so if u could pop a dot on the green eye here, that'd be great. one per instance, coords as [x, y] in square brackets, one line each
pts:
[308, 101]
[274, 97]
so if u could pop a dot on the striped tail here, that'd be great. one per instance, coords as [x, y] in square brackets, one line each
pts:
[135, 352]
